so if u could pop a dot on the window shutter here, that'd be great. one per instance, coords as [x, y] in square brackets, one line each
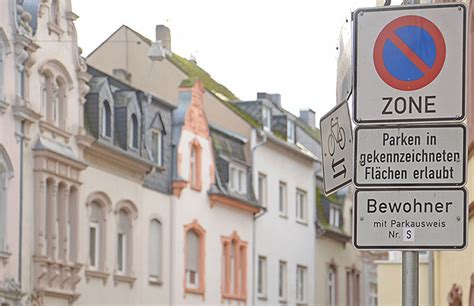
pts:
[192, 251]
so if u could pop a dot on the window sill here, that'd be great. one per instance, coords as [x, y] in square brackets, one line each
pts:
[283, 215]
[97, 274]
[282, 301]
[234, 297]
[124, 279]
[198, 291]
[262, 298]
[302, 222]
[154, 281]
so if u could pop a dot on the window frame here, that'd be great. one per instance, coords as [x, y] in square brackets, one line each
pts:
[159, 147]
[96, 227]
[266, 117]
[283, 199]
[156, 279]
[201, 233]
[290, 133]
[331, 285]
[262, 190]
[282, 281]
[334, 215]
[301, 207]
[134, 137]
[234, 276]
[262, 277]
[239, 186]
[105, 115]
[301, 271]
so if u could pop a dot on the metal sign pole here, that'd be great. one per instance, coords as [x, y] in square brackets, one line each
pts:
[410, 266]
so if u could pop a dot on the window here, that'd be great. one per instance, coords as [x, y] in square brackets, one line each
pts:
[156, 146]
[262, 277]
[237, 179]
[282, 200]
[332, 283]
[122, 241]
[282, 281]
[352, 287]
[155, 246]
[300, 284]
[301, 206]
[195, 165]
[334, 216]
[106, 120]
[134, 132]
[94, 234]
[266, 117]
[262, 189]
[290, 131]
[194, 258]
[234, 267]
[55, 12]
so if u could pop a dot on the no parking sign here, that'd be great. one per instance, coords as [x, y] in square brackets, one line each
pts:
[409, 64]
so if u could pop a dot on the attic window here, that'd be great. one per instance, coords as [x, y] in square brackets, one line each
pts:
[156, 146]
[290, 131]
[266, 117]
[134, 132]
[106, 120]
[334, 216]
[237, 179]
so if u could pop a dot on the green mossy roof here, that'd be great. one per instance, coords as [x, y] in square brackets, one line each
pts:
[194, 71]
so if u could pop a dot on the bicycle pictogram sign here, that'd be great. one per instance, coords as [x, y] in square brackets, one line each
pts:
[337, 136]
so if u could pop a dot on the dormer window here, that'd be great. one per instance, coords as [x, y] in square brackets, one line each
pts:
[290, 131]
[266, 117]
[133, 132]
[157, 146]
[237, 179]
[106, 120]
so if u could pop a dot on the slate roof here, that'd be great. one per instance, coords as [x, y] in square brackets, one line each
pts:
[229, 148]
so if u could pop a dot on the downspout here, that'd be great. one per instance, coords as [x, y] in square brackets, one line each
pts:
[255, 217]
[20, 231]
[172, 225]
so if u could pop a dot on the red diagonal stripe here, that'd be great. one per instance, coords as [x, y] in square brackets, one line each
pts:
[400, 44]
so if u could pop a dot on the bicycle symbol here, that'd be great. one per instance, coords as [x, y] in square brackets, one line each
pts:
[337, 136]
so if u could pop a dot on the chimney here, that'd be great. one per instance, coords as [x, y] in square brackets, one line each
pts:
[308, 116]
[163, 33]
[274, 98]
[122, 75]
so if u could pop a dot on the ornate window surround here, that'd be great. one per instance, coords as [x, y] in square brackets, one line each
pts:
[201, 232]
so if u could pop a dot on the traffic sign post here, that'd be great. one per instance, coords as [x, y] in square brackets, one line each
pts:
[337, 148]
[410, 68]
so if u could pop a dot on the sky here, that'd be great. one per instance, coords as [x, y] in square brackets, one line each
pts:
[250, 46]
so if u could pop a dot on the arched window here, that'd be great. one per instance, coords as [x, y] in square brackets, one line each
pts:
[194, 258]
[332, 286]
[94, 234]
[134, 132]
[195, 178]
[155, 249]
[98, 204]
[4, 50]
[235, 267]
[106, 120]
[123, 241]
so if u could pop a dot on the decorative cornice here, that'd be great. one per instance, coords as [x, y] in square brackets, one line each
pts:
[217, 198]
[103, 154]
[330, 233]
[55, 131]
[178, 186]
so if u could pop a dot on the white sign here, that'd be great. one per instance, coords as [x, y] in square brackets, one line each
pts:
[410, 64]
[337, 146]
[410, 219]
[410, 156]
